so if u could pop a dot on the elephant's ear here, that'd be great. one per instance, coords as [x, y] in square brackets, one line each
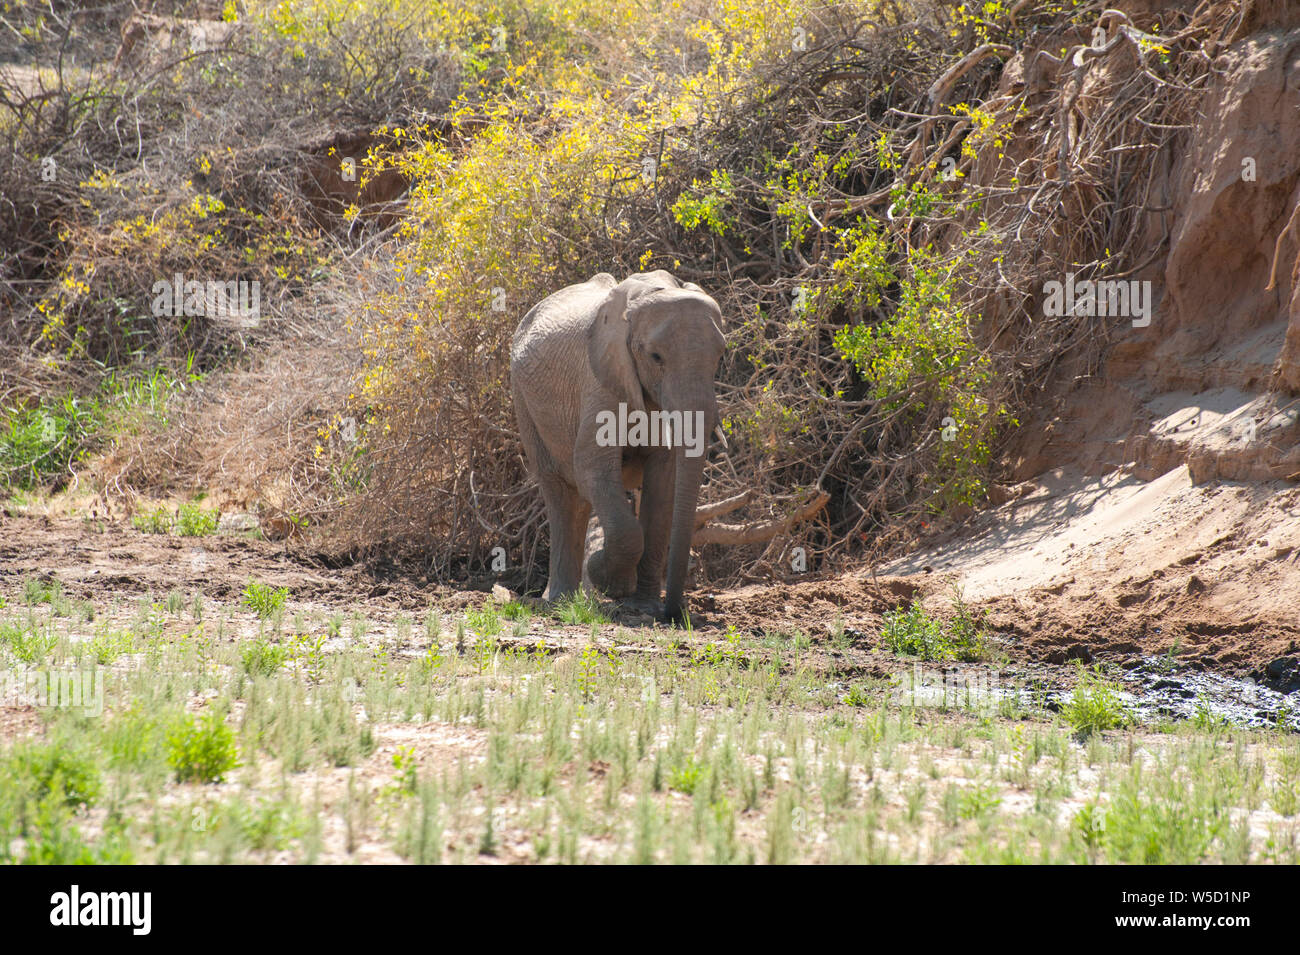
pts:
[609, 353]
[717, 318]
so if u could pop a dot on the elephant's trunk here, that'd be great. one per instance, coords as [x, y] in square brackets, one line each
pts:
[686, 493]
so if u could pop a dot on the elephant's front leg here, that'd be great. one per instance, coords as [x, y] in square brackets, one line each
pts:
[656, 522]
[613, 568]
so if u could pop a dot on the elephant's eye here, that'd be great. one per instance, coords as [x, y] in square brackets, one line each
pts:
[657, 357]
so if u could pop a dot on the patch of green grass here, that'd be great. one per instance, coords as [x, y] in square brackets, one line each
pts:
[911, 631]
[263, 599]
[485, 621]
[157, 521]
[579, 607]
[857, 696]
[106, 647]
[201, 749]
[37, 591]
[1161, 827]
[514, 610]
[175, 602]
[574, 753]
[1095, 705]
[30, 643]
[60, 768]
[977, 802]
[1205, 718]
[1168, 661]
[1285, 796]
[267, 826]
[54, 839]
[727, 653]
[135, 738]
[190, 520]
[262, 657]
[195, 521]
[40, 442]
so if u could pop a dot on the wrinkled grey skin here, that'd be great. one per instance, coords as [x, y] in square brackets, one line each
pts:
[653, 343]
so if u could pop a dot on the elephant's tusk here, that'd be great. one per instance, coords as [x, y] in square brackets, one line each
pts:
[722, 438]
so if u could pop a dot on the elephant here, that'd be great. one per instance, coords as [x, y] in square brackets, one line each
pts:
[584, 362]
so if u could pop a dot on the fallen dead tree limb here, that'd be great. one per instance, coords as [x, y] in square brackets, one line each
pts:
[759, 531]
[708, 512]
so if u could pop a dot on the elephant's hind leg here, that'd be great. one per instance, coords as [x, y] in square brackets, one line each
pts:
[567, 513]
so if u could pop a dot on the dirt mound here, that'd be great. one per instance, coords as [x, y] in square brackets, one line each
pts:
[1119, 567]
[1153, 505]
[1210, 382]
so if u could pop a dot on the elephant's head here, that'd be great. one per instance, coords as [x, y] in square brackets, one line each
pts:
[655, 344]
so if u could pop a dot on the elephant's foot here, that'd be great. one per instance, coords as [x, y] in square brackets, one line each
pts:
[556, 591]
[643, 604]
[612, 583]
[675, 614]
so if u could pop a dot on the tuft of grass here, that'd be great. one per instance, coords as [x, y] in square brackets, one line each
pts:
[913, 632]
[1095, 705]
[579, 608]
[30, 644]
[514, 610]
[111, 644]
[195, 521]
[37, 591]
[263, 599]
[59, 768]
[201, 749]
[1205, 718]
[485, 621]
[262, 657]
[157, 521]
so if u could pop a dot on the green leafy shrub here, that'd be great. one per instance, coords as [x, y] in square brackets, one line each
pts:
[485, 621]
[201, 749]
[29, 643]
[41, 441]
[60, 768]
[1095, 705]
[106, 647]
[911, 631]
[687, 776]
[924, 361]
[263, 599]
[156, 521]
[857, 696]
[262, 657]
[195, 521]
[705, 206]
